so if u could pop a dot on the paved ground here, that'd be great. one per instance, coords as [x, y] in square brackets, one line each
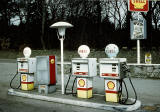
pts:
[148, 92]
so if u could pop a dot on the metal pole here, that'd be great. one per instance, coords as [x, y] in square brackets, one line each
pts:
[138, 45]
[138, 51]
[62, 72]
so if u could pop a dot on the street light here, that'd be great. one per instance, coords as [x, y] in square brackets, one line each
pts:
[61, 26]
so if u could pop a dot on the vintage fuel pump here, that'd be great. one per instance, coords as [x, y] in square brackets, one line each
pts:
[113, 70]
[26, 68]
[46, 72]
[84, 69]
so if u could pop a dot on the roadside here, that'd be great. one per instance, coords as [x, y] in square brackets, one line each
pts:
[131, 55]
[147, 89]
[7, 60]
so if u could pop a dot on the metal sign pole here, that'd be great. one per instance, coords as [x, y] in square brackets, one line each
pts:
[138, 51]
[138, 46]
[62, 69]
[138, 6]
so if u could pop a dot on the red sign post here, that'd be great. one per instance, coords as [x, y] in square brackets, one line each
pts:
[138, 5]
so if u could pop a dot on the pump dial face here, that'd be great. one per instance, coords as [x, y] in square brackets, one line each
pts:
[110, 85]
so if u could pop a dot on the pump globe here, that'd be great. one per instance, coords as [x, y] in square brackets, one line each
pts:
[27, 52]
[83, 51]
[111, 50]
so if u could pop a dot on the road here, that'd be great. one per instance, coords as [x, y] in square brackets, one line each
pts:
[147, 91]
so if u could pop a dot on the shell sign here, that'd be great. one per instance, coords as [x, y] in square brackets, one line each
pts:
[138, 5]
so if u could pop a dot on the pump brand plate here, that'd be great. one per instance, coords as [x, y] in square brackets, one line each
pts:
[81, 83]
[110, 85]
[24, 77]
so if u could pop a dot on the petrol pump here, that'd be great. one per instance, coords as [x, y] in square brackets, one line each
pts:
[84, 69]
[46, 72]
[26, 68]
[111, 69]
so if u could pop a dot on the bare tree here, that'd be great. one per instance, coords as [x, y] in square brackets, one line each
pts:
[116, 11]
[156, 15]
[44, 2]
[148, 17]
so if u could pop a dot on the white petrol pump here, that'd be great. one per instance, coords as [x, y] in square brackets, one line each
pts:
[84, 69]
[41, 69]
[26, 68]
[113, 70]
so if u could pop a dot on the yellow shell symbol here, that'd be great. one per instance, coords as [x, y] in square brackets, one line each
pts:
[81, 83]
[148, 54]
[139, 4]
[148, 60]
[52, 61]
[110, 85]
[24, 77]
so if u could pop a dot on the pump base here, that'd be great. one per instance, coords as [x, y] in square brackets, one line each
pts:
[84, 93]
[112, 97]
[46, 88]
[27, 86]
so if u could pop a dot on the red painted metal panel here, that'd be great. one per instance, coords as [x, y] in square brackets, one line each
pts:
[110, 74]
[86, 89]
[52, 65]
[23, 70]
[116, 92]
[27, 82]
[81, 73]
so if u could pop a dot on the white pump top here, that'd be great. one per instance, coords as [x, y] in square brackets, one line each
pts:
[111, 50]
[27, 52]
[83, 51]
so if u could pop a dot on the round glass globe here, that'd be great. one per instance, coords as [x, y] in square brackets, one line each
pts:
[111, 50]
[83, 51]
[27, 52]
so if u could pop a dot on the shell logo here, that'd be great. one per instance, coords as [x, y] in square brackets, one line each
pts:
[139, 4]
[81, 83]
[24, 77]
[110, 85]
[148, 58]
[148, 54]
[52, 61]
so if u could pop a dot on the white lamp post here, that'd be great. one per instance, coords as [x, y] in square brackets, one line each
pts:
[61, 26]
